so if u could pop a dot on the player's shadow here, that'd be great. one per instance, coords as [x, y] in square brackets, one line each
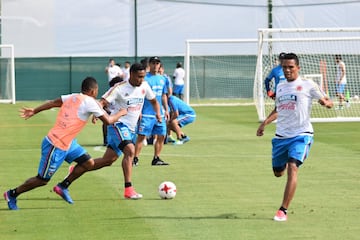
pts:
[228, 216]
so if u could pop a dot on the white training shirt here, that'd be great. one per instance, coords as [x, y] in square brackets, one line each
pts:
[87, 107]
[179, 75]
[125, 96]
[293, 104]
[339, 72]
[114, 71]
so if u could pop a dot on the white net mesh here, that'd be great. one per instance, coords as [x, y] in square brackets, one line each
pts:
[220, 71]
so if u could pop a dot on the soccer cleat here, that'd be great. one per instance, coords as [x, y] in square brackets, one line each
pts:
[135, 161]
[11, 201]
[280, 216]
[178, 142]
[158, 162]
[185, 138]
[129, 193]
[64, 193]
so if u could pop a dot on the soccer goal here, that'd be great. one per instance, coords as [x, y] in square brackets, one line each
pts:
[316, 49]
[220, 71]
[7, 74]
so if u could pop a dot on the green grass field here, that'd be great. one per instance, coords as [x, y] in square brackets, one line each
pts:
[226, 189]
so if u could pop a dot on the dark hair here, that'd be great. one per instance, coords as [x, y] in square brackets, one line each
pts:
[179, 65]
[89, 83]
[291, 56]
[135, 67]
[115, 80]
[282, 55]
[144, 61]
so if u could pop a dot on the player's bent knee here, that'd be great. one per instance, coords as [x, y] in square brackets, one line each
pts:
[88, 165]
[279, 171]
[42, 181]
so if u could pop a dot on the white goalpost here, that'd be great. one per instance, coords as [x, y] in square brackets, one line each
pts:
[219, 71]
[7, 74]
[316, 49]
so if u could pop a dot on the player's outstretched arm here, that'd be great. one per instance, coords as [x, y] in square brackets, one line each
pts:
[27, 113]
[272, 116]
[111, 119]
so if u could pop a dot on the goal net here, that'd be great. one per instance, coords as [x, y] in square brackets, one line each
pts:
[220, 71]
[7, 74]
[316, 49]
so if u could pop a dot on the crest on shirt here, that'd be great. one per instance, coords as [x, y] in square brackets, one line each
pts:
[143, 91]
[299, 88]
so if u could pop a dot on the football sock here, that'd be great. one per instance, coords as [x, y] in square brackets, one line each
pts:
[128, 184]
[283, 209]
[65, 184]
[13, 193]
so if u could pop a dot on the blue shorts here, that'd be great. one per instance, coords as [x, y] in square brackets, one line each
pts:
[178, 89]
[118, 133]
[150, 126]
[185, 119]
[290, 148]
[52, 157]
[340, 88]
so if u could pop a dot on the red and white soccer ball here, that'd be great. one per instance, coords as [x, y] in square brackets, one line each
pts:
[167, 190]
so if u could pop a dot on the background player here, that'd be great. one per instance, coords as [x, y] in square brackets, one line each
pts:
[181, 115]
[148, 125]
[277, 74]
[340, 81]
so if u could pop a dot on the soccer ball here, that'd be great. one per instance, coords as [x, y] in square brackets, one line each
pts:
[356, 98]
[167, 190]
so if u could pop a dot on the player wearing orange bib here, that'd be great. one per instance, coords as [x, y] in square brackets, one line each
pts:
[60, 144]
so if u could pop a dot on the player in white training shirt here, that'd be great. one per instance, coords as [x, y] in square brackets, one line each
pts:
[340, 81]
[294, 132]
[125, 95]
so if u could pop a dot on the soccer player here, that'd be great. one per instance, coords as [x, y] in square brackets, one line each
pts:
[125, 95]
[113, 70]
[60, 144]
[181, 115]
[340, 81]
[277, 74]
[294, 131]
[148, 125]
[178, 76]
